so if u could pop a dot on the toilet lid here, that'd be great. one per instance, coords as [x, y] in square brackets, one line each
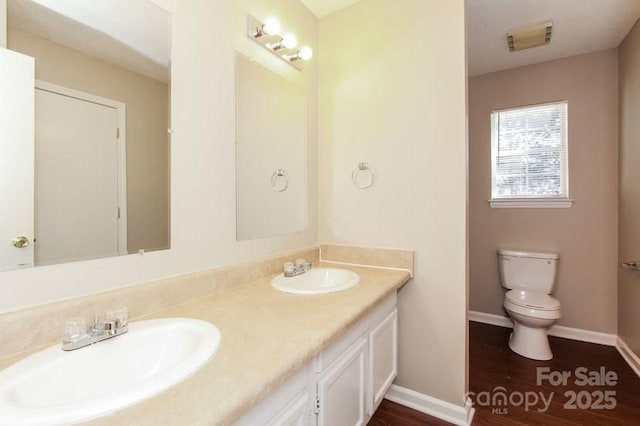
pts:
[529, 299]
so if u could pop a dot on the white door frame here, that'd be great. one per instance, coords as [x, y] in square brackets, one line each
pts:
[121, 113]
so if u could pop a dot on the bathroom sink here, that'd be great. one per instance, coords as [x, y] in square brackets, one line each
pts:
[317, 281]
[57, 387]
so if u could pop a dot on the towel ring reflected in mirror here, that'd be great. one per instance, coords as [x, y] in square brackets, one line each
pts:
[280, 180]
[367, 181]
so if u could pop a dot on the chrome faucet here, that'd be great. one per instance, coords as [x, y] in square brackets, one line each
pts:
[76, 335]
[300, 266]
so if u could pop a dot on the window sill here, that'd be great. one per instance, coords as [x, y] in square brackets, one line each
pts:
[546, 203]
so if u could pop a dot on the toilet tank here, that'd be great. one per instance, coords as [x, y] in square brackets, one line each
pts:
[532, 271]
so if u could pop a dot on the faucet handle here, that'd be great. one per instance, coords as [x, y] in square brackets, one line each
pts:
[119, 316]
[288, 268]
[75, 329]
[303, 264]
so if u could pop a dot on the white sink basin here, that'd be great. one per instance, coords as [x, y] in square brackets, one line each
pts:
[317, 281]
[54, 387]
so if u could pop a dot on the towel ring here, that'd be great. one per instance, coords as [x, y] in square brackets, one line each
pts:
[363, 166]
[276, 176]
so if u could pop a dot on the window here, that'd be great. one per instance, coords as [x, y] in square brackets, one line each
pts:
[529, 156]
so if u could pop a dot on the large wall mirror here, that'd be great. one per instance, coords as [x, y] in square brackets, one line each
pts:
[101, 143]
[271, 152]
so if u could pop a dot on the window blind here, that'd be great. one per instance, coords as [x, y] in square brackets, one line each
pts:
[529, 152]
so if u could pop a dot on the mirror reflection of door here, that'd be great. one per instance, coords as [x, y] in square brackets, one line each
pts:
[99, 48]
[77, 150]
[16, 158]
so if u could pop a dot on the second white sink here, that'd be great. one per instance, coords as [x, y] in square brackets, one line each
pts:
[317, 281]
[54, 387]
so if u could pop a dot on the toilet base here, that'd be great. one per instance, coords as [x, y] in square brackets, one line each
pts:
[530, 342]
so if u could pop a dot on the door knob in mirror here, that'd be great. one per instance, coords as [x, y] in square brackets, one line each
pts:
[20, 242]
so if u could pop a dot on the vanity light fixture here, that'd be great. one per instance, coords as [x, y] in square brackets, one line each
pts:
[283, 46]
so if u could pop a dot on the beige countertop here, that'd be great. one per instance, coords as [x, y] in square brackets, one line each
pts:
[267, 336]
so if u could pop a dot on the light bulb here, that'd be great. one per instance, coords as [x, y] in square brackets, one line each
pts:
[305, 53]
[289, 41]
[271, 26]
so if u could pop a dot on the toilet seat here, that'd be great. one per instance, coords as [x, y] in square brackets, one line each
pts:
[532, 300]
[531, 313]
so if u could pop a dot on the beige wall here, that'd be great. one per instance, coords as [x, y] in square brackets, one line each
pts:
[584, 235]
[205, 35]
[392, 93]
[146, 128]
[629, 282]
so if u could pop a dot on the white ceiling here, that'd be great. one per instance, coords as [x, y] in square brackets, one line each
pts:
[324, 7]
[134, 34]
[579, 26]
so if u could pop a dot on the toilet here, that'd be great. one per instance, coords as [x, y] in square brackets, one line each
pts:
[529, 278]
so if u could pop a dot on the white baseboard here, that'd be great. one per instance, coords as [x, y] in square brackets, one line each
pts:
[583, 335]
[628, 355]
[557, 330]
[447, 411]
[499, 320]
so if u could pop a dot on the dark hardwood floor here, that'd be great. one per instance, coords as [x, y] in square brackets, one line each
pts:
[392, 414]
[493, 364]
[495, 371]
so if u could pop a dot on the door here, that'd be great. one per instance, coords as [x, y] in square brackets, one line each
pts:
[76, 179]
[16, 159]
[341, 389]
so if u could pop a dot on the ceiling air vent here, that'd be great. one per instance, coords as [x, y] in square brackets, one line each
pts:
[531, 36]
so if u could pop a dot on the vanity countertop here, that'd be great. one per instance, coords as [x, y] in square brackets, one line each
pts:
[267, 336]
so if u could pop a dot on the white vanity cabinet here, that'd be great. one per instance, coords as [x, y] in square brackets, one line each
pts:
[344, 384]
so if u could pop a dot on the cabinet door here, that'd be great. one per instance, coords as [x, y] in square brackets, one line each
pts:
[383, 359]
[341, 389]
[289, 405]
[297, 413]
